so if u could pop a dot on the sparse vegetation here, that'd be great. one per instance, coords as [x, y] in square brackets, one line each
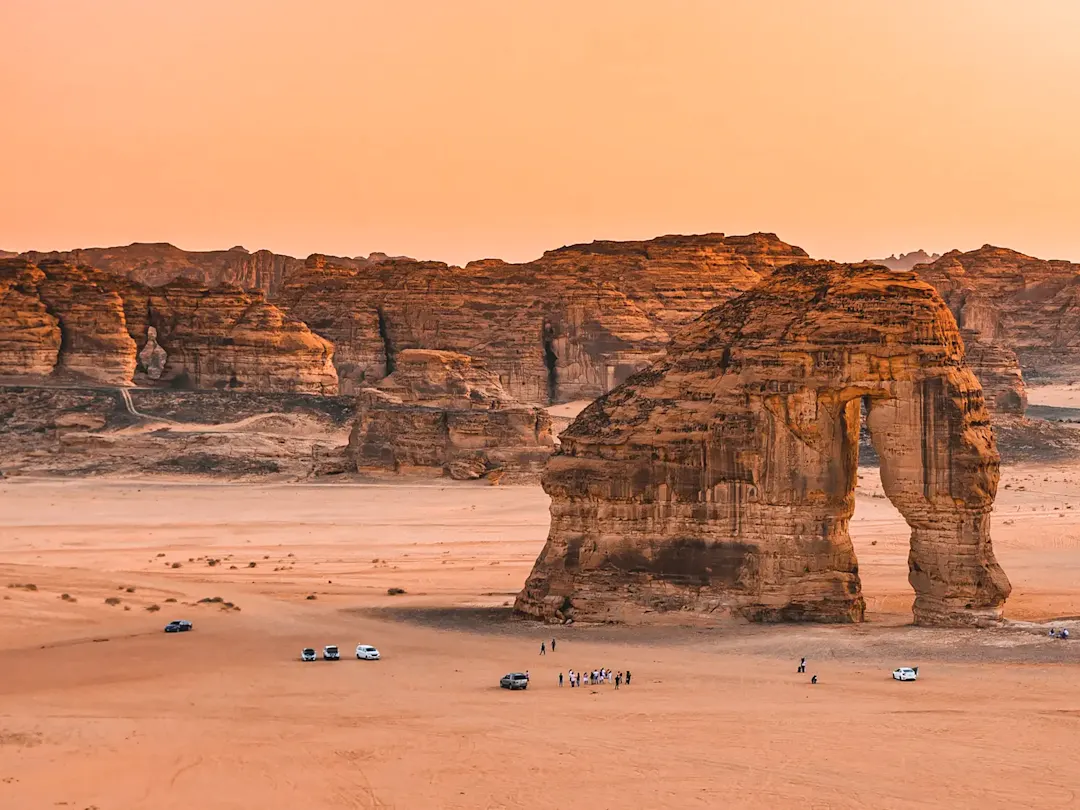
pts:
[310, 596]
[171, 599]
[153, 608]
[160, 554]
[212, 562]
[67, 597]
[394, 591]
[251, 564]
[29, 586]
[211, 600]
[112, 601]
[130, 589]
[176, 565]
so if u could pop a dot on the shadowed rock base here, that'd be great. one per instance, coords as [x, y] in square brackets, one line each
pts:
[720, 481]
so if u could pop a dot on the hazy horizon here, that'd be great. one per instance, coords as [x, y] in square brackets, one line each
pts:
[481, 129]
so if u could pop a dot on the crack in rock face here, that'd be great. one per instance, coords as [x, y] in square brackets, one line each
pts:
[721, 479]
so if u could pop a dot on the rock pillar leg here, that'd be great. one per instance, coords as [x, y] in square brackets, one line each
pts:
[939, 467]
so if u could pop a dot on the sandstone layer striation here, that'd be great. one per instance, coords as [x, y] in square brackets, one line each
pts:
[440, 412]
[570, 325]
[720, 480]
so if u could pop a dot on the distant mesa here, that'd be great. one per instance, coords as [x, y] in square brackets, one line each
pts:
[906, 261]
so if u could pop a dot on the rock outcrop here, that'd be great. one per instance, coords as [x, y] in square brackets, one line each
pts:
[907, 261]
[227, 338]
[78, 322]
[720, 480]
[567, 326]
[155, 264]
[1014, 303]
[439, 412]
[152, 357]
[29, 333]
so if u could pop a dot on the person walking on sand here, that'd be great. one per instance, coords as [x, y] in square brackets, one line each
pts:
[627, 677]
[553, 645]
[560, 680]
[543, 649]
[618, 680]
[802, 665]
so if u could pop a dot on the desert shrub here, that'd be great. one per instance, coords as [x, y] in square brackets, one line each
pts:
[176, 565]
[251, 564]
[394, 591]
[310, 596]
[130, 590]
[113, 601]
[171, 599]
[67, 597]
[211, 600]
[153, 608]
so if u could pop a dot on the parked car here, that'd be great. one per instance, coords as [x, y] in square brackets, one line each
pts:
[367, 652]
[307, 654]
[179, 626]
[905, 674]
[514, 680]
[330, 652]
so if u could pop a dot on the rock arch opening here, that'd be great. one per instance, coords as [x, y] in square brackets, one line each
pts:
[721, 480]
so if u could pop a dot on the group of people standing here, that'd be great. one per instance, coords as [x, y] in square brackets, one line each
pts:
[595, 678]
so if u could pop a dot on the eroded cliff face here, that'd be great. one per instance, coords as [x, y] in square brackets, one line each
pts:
[76, 321]
[227, 338]
[721, 479]
[1014, 304]
[570, 325]
[29, 333]
[442, 413]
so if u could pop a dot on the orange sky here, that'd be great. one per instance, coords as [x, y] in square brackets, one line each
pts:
[458, 129]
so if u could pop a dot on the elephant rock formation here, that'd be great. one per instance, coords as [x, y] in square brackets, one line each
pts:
[720, 480]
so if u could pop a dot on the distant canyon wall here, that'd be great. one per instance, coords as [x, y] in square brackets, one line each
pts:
[570, 325]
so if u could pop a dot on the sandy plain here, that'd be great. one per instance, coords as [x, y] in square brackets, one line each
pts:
[100, 709]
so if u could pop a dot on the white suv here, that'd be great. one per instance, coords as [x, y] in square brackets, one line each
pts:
[905, 674]
[367, 652]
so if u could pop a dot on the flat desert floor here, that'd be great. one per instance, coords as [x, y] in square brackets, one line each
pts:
[100, 709]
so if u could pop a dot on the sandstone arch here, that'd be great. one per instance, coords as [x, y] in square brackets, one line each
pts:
[720, 480]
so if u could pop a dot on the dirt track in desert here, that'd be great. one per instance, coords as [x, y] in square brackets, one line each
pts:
[99, 708]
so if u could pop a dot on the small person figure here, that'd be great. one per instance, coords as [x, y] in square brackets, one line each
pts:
[560, 680]
[543, 649]
[813, 679]
[627, 677]
[802, 665]
[618, 680]
[553, 645]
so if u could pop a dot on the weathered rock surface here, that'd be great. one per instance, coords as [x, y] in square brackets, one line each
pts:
[1016, 303]
[567, 326]
[29, 333]
[720, 480]
[57, 318]
[152, 357]
[157, 263]
[227, 338]
[441, 412]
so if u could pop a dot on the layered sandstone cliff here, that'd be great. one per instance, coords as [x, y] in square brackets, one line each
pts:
[61, 319]
[1015, 303]
[29, 333]
[720, 480]
[155, 264]
[567, 326]
[440, 412]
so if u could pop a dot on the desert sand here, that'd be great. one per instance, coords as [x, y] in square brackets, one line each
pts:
[99, 708]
